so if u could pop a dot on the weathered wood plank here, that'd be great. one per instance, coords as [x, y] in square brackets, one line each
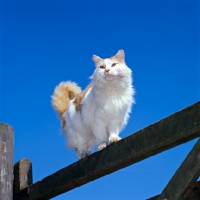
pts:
[186, 174]
[174, 130]
[22, 175]
[192, 193]
[6, 161]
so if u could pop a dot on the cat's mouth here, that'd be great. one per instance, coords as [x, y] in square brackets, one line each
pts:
[109, 76]
[113, 76]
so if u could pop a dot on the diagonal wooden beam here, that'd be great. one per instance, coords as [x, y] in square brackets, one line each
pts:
[192, 193]
[174, 130]
[186, 175]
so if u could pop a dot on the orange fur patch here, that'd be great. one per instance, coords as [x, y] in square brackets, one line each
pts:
[78, 99]
[61, 98]
[63, 122]
[115, 59]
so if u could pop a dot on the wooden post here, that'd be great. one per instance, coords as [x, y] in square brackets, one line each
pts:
[6, 161]
[22, 175]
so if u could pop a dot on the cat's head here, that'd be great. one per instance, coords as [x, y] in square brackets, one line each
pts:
[111, 69]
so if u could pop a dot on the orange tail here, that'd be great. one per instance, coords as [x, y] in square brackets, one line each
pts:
[61, 97]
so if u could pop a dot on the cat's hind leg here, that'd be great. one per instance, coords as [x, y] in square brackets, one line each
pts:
[85, 149]
[82, 153]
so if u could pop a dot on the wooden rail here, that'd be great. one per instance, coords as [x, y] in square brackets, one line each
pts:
[174, 130]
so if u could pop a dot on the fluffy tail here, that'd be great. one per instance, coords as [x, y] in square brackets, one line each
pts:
[61, 98]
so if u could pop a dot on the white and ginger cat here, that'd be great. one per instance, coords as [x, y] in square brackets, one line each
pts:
[97, 114]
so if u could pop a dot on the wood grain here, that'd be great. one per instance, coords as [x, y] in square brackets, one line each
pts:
[6, 161]
[22, 175]
[192, 193]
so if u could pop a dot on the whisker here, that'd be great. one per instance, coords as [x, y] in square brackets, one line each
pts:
[96, 81]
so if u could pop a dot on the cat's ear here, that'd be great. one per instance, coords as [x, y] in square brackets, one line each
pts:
[120, 55]
[96, 59]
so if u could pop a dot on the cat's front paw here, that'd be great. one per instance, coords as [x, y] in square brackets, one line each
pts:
[114, 138]
[102, 146]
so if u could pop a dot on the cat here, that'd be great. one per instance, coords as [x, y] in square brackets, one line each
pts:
[97, 114]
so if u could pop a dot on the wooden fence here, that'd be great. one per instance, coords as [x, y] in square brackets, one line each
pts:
[170, 132]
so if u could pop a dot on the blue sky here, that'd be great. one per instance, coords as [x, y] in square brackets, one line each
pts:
[45, 42]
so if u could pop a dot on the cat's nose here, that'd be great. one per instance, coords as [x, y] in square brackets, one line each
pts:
[107, 70]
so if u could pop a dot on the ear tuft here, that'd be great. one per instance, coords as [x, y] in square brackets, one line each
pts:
[120, 55]
[96, 59]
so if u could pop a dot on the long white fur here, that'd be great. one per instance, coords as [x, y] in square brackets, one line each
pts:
[105, 108]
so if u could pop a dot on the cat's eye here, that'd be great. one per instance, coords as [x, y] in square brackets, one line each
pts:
[114, 64]
[102, 67]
